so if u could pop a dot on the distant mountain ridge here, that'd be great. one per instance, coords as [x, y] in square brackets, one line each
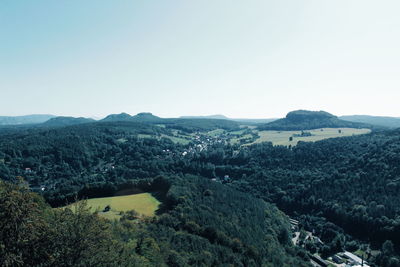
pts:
[66, 121]
[223, 117]
[26, 119]
[391, 122]
[216, 116]
[308, 120]
[295, 120]
[140, 117]
[178, 123]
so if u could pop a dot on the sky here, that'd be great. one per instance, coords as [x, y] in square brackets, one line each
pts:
[243, 59]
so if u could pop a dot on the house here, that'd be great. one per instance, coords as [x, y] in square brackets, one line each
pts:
[317, 240]
[319, 260]
[337, 259]
[227, 178]
[354, 259]
[294, 224]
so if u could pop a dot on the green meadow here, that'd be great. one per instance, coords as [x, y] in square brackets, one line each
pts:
[282, 137]
[144, 204]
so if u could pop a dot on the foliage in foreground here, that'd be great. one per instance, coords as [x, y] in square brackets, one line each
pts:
[33, 234]
[237, 231]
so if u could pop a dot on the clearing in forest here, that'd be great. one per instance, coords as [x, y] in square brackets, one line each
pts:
[144, 204]
[282, 137]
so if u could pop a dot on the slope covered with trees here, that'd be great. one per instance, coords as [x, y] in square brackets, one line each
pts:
[240, 230]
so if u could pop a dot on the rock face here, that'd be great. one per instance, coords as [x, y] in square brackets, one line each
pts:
[308, 120]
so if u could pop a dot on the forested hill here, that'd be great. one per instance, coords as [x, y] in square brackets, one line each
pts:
[66, 121]
[185, 124]
[308, 120]
[140, 117]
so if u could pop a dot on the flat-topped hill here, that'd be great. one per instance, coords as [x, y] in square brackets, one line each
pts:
[308, 120]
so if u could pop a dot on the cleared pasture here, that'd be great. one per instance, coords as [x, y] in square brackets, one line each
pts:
[215, 132]
[179, 139]
[144, 204]
[282, 137]
[238, 139]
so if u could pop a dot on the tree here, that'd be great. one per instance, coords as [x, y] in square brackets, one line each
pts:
[388, 248]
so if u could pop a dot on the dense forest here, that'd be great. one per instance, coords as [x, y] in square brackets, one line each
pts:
[342, 187]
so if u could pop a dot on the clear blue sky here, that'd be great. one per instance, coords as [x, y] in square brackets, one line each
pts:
[237, 58]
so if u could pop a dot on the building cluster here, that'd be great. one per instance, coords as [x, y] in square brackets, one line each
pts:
[341, 259]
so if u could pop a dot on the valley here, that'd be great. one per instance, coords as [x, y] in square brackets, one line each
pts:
[191, 181]
[199, 133]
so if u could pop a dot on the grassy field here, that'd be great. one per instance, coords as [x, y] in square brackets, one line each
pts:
[215, 132]
[177, 139]
[237, 140]
[145, 136]
[144, 204]
[282, 137]
[239, 132]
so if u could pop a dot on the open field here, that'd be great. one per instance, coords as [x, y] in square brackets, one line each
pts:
[244, 136]
[282, 137]
[236, 140]
[177, 139]
[144, 204]
[216, 132]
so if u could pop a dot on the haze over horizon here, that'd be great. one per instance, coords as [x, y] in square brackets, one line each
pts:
[176, 58]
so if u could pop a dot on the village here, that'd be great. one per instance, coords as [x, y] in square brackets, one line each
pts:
[341, 259]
